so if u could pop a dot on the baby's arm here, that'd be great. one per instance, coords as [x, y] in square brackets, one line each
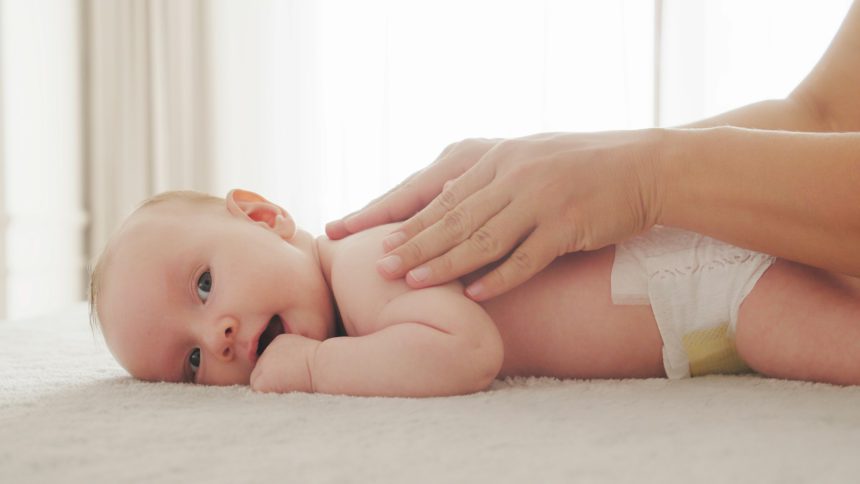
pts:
[432, 342]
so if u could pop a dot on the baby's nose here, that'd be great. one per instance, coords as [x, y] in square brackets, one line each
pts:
[224, 339]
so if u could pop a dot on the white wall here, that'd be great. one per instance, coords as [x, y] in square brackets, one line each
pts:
[721, 54]
[42, 185]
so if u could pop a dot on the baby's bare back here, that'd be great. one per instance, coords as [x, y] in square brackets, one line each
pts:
[562, 323]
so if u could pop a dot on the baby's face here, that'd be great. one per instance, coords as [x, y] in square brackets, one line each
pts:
[190, 288]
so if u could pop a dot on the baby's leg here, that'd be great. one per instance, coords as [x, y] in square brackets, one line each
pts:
[802, 323]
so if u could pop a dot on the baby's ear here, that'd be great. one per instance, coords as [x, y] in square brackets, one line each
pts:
[255, 208]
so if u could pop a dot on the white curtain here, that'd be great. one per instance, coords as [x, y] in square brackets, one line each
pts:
[147, 105]
[42, 220]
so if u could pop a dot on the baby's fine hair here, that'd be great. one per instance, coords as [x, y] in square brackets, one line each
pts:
[103, 258]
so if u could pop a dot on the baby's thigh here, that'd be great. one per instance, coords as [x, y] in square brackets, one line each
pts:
[800, 322]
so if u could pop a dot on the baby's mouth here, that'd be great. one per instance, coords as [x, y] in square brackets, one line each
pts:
[273, 329]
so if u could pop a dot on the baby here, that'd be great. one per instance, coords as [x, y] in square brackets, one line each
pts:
[194, 288]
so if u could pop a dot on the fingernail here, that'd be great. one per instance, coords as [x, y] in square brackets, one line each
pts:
[421, 273]
[393, 240]
[390, 264]
[475, 290]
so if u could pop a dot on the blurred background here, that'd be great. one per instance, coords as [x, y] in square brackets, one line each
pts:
[321, 105]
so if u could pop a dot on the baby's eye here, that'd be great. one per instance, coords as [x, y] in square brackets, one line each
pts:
[194, 362]
[204, 285]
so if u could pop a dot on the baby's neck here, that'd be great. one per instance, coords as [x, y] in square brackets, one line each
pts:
[323, 252]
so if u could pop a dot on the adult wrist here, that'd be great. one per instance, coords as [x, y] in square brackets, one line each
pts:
[660, 166]
[683, 170]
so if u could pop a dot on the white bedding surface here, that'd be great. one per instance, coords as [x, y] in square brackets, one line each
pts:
[68, 413]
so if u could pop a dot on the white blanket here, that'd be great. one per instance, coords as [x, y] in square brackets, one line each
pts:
[68, 413]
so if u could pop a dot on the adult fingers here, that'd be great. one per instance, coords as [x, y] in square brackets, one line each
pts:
[485, 245]
[453, 228]
[454, 192]
[447, 220]
[534, 254]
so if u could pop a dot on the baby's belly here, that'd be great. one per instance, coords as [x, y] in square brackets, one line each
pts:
[562, 323]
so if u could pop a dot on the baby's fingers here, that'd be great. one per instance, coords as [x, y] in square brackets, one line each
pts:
[528, 259]
[258, 380]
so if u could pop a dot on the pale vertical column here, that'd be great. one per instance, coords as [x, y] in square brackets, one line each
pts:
[179, 88]
[658, 62]
[42, 156]
[236, 91]
[683, 60]
[147, 106]
[3, 269]
[118, 114]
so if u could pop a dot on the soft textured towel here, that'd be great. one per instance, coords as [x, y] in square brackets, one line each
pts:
[68, 413]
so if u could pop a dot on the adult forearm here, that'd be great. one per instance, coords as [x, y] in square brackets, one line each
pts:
[793, 195]
[789, 114]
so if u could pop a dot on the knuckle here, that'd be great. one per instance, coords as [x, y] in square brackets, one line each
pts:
[485, 242]
[464, 143]
[448, 199]
[412, 227]
[521, 171]
[498, 279]
[408, 185]
[508, 146]
[413, 252]
[522, 260]
[451, 148]
[456, 223]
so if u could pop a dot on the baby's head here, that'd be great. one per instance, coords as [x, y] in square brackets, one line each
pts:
[192, 287]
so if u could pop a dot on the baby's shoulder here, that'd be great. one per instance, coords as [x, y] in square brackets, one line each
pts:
[360, 291]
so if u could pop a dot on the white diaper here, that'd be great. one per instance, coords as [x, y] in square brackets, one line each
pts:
[695, 286]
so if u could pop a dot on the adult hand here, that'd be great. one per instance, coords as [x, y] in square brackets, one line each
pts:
[541, 196]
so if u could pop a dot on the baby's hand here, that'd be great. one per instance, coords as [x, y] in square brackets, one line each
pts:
[285, 366]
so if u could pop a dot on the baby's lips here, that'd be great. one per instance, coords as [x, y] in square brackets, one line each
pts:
[252, 348]
[255, 343]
